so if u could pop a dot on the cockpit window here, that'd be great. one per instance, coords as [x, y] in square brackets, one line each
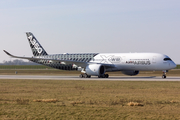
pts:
[166, 59]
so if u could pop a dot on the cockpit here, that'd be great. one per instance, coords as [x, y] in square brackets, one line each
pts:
[167, 59]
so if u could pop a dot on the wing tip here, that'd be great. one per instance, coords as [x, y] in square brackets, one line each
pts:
[7, 52]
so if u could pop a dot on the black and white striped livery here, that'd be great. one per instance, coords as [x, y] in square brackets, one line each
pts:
[36, 47]
[97, 64]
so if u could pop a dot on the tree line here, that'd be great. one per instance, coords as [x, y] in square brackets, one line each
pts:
[18, 62]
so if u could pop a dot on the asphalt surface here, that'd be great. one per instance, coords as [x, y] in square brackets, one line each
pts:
[111, 78]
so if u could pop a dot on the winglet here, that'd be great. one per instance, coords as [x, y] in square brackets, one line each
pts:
[18, 56]
[7, 53]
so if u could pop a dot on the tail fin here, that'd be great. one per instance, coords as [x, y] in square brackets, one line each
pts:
[36, 47]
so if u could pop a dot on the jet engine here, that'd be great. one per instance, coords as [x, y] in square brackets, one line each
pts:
[95, 69]
[130, 72]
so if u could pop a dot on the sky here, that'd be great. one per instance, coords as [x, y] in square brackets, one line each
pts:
[91, 26]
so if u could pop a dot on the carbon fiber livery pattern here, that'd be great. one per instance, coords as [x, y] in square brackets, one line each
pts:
[55, 60]
[36, 47]
[86, 57]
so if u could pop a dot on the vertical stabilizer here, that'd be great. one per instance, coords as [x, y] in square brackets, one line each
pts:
[36, 47]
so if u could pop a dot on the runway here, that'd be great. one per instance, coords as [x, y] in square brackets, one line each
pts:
[111, 78]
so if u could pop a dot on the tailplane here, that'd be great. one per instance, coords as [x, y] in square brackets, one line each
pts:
[36, 47]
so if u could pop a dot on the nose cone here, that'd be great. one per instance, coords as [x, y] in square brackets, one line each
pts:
[173, 65]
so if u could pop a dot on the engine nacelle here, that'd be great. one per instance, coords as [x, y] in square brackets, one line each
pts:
[95, 69]
[130, 72]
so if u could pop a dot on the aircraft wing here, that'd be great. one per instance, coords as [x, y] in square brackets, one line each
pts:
[29, 58]
[78, 63]
[53, 60]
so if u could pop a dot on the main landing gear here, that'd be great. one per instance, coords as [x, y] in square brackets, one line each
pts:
[89, 76]
[164, 74]
[103, 76]
[84, 76]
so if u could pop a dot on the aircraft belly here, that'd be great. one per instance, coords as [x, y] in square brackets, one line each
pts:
[136, 67]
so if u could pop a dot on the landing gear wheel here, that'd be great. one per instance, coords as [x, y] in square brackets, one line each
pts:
[85, 75]
[163, 76]
[106, 75]
[103, 76]
[81, 75]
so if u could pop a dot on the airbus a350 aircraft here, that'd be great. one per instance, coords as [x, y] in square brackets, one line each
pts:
[97, 64]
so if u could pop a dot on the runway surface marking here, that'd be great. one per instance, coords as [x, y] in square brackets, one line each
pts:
[114, 78]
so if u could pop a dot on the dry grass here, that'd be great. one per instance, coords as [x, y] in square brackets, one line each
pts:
[51, 99]
[76, 102]
[46, 100]
[135, 104]
[174, 101]
[22, 101]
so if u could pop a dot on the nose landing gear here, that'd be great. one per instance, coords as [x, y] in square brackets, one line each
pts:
[164, 74]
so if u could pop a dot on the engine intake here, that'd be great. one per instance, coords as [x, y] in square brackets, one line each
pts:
[95, 69]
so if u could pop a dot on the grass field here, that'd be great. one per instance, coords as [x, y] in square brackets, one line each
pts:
[46, 99]
[65, 99]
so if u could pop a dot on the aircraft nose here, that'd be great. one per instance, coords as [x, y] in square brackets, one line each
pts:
[173, 65]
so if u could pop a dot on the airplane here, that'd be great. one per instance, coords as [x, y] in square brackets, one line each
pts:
[97, 64]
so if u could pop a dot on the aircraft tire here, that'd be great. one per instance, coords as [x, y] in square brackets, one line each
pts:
[163, 76]
[106, 75]
[81, 76]
[85, 75]
[89, 76]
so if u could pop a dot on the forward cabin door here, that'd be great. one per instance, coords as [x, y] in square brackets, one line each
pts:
[154, 59]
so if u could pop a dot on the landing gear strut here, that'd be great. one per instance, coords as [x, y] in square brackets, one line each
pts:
[84, 76]
[164, 74]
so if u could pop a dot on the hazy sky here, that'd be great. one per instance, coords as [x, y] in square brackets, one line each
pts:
[70, 26]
